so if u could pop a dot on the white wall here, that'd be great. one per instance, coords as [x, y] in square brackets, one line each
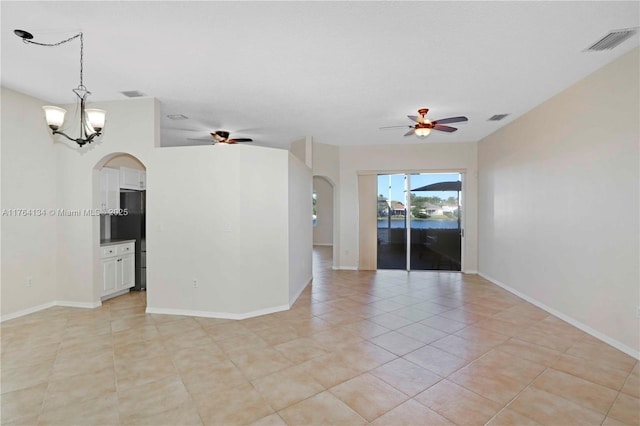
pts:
[323, 231]
[559, 216]
[326, 163]
[217, 214]
[300, 242]
[422, 157]
[220, 219]
[28, 176]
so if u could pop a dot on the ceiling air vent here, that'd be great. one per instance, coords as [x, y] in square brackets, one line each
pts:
[133, 94]
[611, 40]
[497, 117]
[177, 117]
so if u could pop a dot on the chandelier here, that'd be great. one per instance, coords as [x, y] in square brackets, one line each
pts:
[91, 120]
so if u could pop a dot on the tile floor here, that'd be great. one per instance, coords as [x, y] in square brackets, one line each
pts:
[386, 348]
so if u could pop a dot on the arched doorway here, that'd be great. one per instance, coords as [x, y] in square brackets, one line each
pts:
[324, 228]
[122, 223]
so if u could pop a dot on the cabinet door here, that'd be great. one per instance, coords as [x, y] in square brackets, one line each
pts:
[113, 189]
[129, 178]
[127, 269]
[109, 275]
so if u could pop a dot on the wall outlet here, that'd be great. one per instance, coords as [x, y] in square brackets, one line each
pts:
[195, 283]
[28, 281]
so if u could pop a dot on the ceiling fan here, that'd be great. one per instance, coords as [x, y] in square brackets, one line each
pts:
[222, 136]
[424, 126]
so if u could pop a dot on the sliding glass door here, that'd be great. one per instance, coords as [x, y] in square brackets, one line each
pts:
[419, 221]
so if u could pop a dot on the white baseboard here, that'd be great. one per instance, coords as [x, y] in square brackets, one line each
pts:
[27, 311]
[345, 268]
[69, 304]
[209, 314]
[293, 299]
[86, 305]
[470, 271]
[323, 245]
[595, 333]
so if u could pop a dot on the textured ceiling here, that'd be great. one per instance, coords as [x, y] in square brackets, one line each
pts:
[337, 71]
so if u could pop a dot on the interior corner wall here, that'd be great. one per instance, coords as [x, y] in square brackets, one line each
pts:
[28, 169]
[559, 204]
[300, 210]
[323, 231]
[420, 157]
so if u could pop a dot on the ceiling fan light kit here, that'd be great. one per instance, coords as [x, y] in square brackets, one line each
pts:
[424, 126]
[222, 136]
[91, 120]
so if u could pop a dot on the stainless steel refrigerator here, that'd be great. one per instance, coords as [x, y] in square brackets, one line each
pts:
[132, 226]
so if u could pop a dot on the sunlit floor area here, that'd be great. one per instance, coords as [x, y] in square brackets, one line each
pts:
[386, 347]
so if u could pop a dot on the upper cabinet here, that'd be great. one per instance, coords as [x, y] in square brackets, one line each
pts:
[133, 179]
[109, 190]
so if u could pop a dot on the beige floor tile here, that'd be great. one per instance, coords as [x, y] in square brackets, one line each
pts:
[321, 409]
[397, 343]
[446, 325]
[626, 409]
[632, 385]
[365, 355]
[505, 364]
[458, 404]
[80, 387]
[378, 397]
[549, 409]
[334, 339]
[236, 406]
[214, 378]
[593, 349]
[496, 387]
[197, 358]
[139, 350]
[463, 348]
[244, 343]
[270, 420]
[277, 335]
[411, 413]
[610, 421]
[182, 326]
[406, 376]
[301, 350]
[331, 369]
[133, 335]
[509, 417]
[391, 321]
[97, 411]
[580, 391]
[503, 327]
[529, 351]
[422, 333]
[25, 377]
[286, 387]
[436, 360]
[260, 363]
[190, 339]
[365, 329]
[22, 404]
[595, 372]
[150, 399]
[135, 373]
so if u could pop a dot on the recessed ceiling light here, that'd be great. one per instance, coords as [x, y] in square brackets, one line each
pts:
[497, 117]
[177, 117]
[133, 94]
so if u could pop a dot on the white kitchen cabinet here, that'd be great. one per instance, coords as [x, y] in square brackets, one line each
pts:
[109, 190]
[132, 179]
[118, 267]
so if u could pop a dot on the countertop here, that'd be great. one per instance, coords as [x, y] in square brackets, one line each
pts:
[104, 243]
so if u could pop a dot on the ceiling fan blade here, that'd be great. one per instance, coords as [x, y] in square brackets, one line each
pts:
[414, 118]
[450, 120]
[410, 132]
[442, 128]
[239, 140]
[393, 127]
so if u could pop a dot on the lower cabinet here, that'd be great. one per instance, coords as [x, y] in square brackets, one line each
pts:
[118, 267]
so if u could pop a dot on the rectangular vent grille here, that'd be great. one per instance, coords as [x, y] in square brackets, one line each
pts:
[497, 117]
[133, 94]
[611, 40]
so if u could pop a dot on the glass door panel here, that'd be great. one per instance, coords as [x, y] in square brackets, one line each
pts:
[435, 221]
[392, 213]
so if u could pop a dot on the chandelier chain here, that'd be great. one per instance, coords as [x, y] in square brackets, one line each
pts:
[63, 42]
